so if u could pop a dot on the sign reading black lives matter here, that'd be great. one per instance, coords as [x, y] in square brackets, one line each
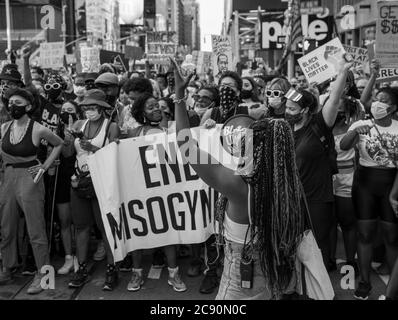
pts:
[323, 63]
[387, 33]
[160, 46]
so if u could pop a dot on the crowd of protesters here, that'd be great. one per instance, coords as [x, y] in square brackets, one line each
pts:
[336, 143]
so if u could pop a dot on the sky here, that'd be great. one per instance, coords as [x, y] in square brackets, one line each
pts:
[211, 18]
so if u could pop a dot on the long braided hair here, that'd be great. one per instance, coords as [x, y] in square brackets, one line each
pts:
[276, 209]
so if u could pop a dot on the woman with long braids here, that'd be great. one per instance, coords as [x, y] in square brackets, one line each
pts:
[260, 212]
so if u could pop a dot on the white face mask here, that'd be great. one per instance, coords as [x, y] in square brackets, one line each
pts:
[275, 102]
[92, 115]
[379, 110]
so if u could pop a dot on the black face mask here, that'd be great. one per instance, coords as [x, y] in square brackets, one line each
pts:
[53, 94]
[17, 112]
[64, 116]
[246, 94]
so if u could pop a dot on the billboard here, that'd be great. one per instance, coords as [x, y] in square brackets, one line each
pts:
[314, 27]
[247, 5]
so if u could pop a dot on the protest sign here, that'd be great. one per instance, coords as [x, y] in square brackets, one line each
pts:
[322, 64]
[360, 57]
[134, 53]
[160, 46]
[90, 59]
[148, 197]
[52, 55]
[387, 75]
[203, 62]
[387, 33]
[222, 54]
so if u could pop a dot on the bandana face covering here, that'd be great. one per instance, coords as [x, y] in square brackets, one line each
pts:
[227, 100]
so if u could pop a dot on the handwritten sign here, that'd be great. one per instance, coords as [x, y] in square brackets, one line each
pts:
[387, 33]
[322, 64]
[360, 56]
[90, 59]
[222, 54]
[52, 55]
[161, 46]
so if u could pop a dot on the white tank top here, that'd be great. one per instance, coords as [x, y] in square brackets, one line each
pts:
[236, 232]
[98, 141]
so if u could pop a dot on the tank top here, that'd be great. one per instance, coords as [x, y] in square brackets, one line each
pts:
[97, 141]
[23, 149]
[236, 232]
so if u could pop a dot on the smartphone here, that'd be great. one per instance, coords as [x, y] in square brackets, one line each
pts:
[77, 134]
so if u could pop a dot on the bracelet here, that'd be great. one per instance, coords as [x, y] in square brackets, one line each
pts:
[178, 101]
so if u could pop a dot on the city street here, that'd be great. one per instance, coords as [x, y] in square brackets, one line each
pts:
[152, 289]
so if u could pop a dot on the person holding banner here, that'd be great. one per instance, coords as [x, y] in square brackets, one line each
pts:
[248, 207]
[147, 112]
[315, 153]
[87, 137]
[373, 181]
[23, 187]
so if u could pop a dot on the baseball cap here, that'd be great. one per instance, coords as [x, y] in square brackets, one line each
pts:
[108, 78]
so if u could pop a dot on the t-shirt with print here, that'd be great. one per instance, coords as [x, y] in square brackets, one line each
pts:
[313, 161]
[372, 152]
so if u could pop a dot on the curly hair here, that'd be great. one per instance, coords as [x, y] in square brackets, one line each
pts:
[255, 93]
[140, 85]
[233, 75]
[277, 220]
[137, 111]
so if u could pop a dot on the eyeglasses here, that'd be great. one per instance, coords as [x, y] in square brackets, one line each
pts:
[54, 86]
[199, 98]
[274, 94]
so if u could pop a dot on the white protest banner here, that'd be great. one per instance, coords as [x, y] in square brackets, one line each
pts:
[148, 198]
[222, 54]
[387, 33]
[52, 55]
[360, 57]
[387, 75]
[322, 64]
[90, 59]
[160, 46]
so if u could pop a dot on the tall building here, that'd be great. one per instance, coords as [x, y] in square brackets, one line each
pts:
[192, 24]
[170, 17]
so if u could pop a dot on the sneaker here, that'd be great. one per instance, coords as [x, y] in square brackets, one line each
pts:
[209, 284]
[67, 267]
[111, 278]
[383, 297]
[136, 281]
[5, 277]
[127, 264]
[35, 287]
[158, 260]
[80, 277]
[29, 268]
[176, 282]
[195, 268]
[100, 254]
[363, 291]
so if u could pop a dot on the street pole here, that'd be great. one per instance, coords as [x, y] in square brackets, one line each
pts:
[8, 18]
[236, 37]
[63, 26]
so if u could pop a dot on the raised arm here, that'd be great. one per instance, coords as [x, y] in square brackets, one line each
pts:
[366, 98]
[212, 173]
[26, 53]
[330, 108]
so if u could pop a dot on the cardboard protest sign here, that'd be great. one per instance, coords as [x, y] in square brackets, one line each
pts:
[90, 59]
[387, 33]
[360, 57]
[116, 58]
[322, 64]
[134, 53]
[160, 46]
[52, 55]
[222, 54]
[387, 75]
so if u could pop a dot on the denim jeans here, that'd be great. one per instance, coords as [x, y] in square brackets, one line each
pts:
[230, 285]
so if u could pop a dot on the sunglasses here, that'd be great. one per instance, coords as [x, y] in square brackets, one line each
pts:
[198, 98]
[274, 94]
[54, 86]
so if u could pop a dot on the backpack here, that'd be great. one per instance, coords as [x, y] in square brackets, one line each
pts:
[329, 145]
